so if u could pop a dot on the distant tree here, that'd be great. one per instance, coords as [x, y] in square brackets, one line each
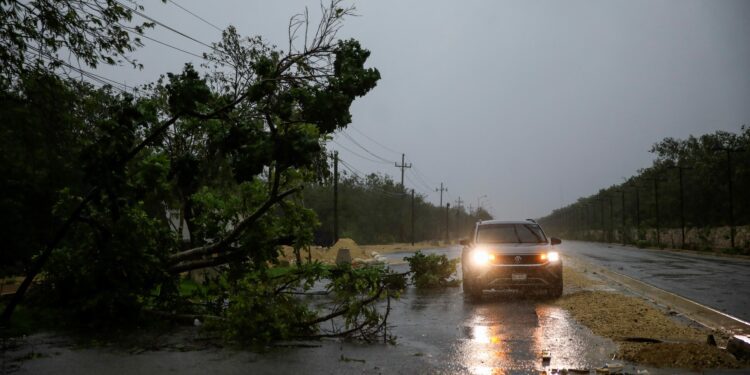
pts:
[705, 174]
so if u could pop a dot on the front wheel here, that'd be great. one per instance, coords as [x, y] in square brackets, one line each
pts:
[556, 290]
[472, 291]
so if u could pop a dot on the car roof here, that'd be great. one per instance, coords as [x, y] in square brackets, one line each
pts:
[484, 222]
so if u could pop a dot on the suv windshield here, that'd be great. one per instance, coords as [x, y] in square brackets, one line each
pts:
[510, 233]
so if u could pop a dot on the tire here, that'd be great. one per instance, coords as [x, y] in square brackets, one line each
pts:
[556, 290]
[472, 292]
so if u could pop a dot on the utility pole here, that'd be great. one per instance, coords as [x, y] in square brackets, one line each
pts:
[601, 218]
[402, 166]
[403, 191]
[447, 226]
[680, 170]
[729, 152]
[441, 190]
[412, 217]
[335, 196]
[459, 222]
[479, 201]
[656, 208]
[611, 221]
[637, 212]
[622, 209]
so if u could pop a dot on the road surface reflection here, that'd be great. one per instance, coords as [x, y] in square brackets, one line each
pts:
[507, 334]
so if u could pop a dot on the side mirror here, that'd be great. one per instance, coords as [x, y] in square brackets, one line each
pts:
[555, 241]
[464, 242]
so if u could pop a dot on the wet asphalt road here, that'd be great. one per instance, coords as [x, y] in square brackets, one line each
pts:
[722, 283]
[437, 332]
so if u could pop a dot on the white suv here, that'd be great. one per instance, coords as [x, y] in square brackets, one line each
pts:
[510, 255]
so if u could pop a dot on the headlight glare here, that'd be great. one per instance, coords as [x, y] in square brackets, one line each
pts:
[553, 256]
[481, 257]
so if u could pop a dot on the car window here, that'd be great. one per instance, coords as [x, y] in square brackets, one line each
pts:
[510, 233]
[530, 233]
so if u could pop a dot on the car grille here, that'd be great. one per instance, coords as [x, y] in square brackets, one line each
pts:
[519, 259]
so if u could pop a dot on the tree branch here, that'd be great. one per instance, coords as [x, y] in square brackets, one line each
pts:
[220, 246]
[233, 253]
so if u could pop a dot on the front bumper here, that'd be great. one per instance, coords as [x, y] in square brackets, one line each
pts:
[502, 276]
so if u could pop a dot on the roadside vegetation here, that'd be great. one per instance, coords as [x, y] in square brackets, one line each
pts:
[374, 209]
[644, 333]
[112, 197]
[432, 270]
[698, 183]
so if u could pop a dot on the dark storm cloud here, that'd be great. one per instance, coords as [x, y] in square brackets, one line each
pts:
[533, 103]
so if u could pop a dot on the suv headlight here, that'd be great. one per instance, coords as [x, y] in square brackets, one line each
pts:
[553, 256]
[481, 257]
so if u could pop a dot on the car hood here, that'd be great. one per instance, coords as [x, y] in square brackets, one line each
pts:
[516, 248]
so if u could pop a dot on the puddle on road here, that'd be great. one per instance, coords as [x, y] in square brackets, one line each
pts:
[504, 336]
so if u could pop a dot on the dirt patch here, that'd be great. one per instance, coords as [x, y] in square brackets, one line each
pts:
[678, 355]
[327, 256]
[404, 247]
[617, 316]
[578, 280]
[624, 318]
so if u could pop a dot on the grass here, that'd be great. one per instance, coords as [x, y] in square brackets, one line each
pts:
[23, 322]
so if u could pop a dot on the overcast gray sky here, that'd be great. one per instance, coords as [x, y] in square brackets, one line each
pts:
[531, 103]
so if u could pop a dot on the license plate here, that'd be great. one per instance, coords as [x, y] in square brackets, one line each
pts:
[519, 277]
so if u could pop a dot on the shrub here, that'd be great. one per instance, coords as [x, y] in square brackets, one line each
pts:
[432, 271]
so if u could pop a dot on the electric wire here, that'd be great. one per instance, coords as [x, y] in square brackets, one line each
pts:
[93, 76]
[357, 173]
[416, 186]
[165, 44]
[358, 155]
[349, 137]
[421, 175]
[196, 16]
[422, 184]
[374, 141]
[172, 29]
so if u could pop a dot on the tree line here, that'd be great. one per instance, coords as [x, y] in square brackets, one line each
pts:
[693, 184]
[374, 209]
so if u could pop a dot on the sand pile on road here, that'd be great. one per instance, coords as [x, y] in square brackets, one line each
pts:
[578, 280]
[404, 247]
[678, 355]
[624, 318]
[617, 316]
[327, 256]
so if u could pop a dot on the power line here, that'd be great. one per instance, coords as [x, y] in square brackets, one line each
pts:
[358, 155]
[93, 76]
[349, 137]
[421, 180]
[359, 175]
[196, 16]
[417, 186]
[421, 183]
[165, 44]
[376, 142]
[172, 29]
[422, 176]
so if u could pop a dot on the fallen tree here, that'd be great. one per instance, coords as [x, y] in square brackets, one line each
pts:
[230, 151]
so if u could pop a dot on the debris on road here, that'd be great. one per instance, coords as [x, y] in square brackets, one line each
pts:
[644, 333]
[739, 346]
[693, 356]
[610, 368]
[711, 340]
